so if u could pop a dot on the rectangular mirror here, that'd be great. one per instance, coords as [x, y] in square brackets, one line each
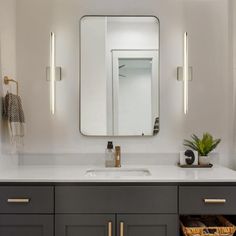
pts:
[119, 75]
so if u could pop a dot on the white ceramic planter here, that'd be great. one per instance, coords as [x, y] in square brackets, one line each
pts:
[204, 160]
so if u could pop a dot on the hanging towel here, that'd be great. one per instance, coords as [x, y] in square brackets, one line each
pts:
[14, 114]
[156, 127]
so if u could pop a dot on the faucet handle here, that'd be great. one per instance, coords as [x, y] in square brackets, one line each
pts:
[117, 156]
[117, 148]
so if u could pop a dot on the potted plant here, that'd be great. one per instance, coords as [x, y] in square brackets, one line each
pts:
[203, 146]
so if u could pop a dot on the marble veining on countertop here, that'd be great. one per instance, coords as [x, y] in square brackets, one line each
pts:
[159, 173]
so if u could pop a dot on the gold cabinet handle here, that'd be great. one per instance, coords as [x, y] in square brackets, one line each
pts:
[18, 200]
[214, 201]
[109, 228]
[121, 228]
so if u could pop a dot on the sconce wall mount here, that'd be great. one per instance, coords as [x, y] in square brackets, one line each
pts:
[180, 74]
[57, 73]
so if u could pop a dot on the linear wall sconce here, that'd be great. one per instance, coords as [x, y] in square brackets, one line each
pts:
[185, 73]
[53, 73]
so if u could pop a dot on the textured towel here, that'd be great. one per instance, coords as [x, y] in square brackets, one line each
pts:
[13, 112]
[156, 127]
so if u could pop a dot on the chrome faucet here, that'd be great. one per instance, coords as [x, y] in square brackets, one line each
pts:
[117, 156]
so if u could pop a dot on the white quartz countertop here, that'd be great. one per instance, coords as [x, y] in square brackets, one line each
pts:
[159, 173]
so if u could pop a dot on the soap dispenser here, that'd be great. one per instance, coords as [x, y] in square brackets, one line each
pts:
[110, 155]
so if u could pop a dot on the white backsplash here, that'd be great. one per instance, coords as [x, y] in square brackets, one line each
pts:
[99, 159]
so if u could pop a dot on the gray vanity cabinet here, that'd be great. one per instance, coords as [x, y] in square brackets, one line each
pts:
[108, 210]
[85, 225]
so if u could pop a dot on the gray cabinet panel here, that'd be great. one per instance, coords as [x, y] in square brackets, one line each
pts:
[26, 225]
[84, 225]
[41, 199]
[192, 200]
[116, 199]
[147, 224]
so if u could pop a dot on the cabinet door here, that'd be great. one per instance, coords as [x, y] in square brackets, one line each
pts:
[26, 225]
[147, 225]
[85, 225]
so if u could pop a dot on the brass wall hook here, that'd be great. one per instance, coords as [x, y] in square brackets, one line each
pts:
[7, 80]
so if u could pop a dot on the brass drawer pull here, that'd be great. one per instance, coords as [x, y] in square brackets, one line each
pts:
[18, 200]
[121, 228]
[214, 201]
[109, 228]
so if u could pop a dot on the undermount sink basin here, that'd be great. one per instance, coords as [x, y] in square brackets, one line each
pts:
[118, 172]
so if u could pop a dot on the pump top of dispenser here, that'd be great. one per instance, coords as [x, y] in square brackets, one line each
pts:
[110, 145]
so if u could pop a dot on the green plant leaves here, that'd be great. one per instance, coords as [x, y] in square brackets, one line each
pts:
[203, 146]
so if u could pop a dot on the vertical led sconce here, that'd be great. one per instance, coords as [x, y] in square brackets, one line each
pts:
[185, 73]
[53, 73]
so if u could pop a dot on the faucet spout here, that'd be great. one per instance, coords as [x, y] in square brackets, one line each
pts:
[117, 156]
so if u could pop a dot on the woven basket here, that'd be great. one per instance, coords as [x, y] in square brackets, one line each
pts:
[227, 229]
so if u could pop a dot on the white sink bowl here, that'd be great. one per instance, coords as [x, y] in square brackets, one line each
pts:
[118, 172]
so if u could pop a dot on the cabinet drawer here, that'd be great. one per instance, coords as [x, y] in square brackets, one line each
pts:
[20, 199]
[207, 200]
[116, 199]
